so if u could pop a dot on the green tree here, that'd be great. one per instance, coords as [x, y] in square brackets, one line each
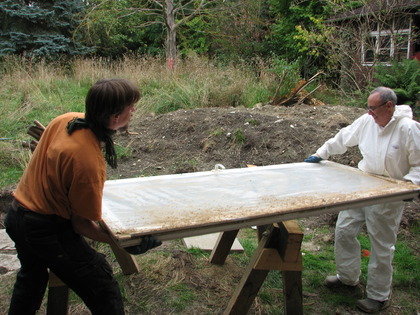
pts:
[195, 36]
[167, 15]
[341, 43]
[402, 76]
[40, 29]
[114, 28]
[289, 17]
[240, 29]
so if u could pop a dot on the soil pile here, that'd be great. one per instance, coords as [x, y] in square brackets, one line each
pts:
[196, 140]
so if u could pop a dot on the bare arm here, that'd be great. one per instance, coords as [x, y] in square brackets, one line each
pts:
[90, 229]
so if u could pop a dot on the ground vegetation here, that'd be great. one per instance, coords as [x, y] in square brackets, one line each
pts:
[177, 280]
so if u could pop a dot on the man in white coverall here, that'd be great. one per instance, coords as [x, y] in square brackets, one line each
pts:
[389, 141]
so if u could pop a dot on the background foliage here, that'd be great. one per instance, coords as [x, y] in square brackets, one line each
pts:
[41, 29]
[403, 77]
[243, 31]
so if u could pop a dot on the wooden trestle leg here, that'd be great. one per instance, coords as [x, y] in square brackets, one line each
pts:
[278, 249]
[58, 296]
[125, 260]
[222, 247]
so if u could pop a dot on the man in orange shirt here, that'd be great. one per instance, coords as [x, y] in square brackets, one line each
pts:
[59, 199]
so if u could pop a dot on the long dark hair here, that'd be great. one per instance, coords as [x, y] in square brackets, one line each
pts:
[105, 98]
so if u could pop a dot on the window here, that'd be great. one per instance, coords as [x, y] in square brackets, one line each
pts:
[384, 46]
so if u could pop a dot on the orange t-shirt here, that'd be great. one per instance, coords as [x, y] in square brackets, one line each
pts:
[66, 173]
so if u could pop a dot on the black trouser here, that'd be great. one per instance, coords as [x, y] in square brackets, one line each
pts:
[48, 242]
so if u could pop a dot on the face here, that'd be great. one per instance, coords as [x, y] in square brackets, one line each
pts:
[380, 111]
[121, 120]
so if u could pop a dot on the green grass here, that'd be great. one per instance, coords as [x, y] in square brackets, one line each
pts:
[256, 94]
[318, 262]
[406, 267]
[238, 137]
[13, 162]
[180, 296]
[43, 91]
[217, 132]
[123, 152]
[198, 252]
[177, 280]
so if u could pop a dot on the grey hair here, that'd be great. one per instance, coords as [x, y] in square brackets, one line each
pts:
[386, 94]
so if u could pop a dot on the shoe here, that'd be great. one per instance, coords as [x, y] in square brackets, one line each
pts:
[332, 282]
[371, 306]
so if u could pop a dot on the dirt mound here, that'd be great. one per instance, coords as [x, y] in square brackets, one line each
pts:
[198, 139]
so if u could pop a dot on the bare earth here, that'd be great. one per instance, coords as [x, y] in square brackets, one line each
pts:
[197, 140]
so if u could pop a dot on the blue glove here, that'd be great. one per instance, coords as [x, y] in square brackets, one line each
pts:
[147, 242]
[313, 159]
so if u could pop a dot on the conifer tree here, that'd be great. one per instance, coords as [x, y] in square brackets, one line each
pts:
[40, 29]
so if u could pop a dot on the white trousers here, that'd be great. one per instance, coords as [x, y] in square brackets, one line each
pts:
[382, 222]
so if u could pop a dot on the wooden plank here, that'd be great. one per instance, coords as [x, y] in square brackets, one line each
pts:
[183, 205]
[207, 242]
[58, 296]
[292, 292]
[251, 281]
[270, 259]
[261, 230]
[292, 227]
[125, 260]
[284, 253]
[222, 247]
[246, 291]
[290, 241]
[266, 258]
[54, 281]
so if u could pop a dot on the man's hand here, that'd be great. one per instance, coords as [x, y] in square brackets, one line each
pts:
[313, 159]
[147, 242]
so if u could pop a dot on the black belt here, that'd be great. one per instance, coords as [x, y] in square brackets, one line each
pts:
[16, 206]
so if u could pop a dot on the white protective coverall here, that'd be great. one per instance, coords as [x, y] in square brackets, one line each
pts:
[393, 151]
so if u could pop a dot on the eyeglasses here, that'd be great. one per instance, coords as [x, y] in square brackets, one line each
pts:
[373, 108]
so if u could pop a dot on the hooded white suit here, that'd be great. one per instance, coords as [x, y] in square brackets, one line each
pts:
[393, 151]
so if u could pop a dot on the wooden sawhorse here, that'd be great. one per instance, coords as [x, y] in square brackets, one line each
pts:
[278, 249]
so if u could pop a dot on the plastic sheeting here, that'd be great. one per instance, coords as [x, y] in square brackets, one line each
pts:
[197, 203]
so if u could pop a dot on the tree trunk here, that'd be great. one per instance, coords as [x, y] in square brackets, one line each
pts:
[170, 43]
